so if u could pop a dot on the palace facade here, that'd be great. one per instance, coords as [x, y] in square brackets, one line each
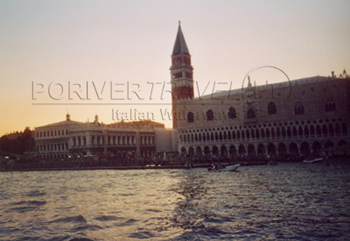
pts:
[296, 117]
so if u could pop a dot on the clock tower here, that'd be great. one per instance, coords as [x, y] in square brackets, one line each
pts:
[181, 72]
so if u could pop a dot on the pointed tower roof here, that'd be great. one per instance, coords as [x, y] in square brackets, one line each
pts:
[180, 43]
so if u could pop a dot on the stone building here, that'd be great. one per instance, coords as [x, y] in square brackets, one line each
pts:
[72, 138]
[296, 117]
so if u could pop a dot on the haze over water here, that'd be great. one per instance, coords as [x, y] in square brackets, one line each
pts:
[292, 201]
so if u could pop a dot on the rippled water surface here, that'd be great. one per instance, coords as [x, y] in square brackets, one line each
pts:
[292, 201]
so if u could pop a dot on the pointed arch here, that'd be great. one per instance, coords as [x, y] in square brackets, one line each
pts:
[330, 105]
[261, 150]
[289, 132]
[190, 117]
[207, 151]
[328, 144]
[282, 149]
[247, 134]
[337, 129]
[271, 108]
[283, 132]
[273, 134]
[241, 150]
[318, 131]
[298, 108]
[312, 130]
[233, 135]
[278, 133]
[231, 113]
[331, 129]
[215, 151]
[295, 132]
[306, 131]
[271, 150]
[344, 129]
[325, 130]
[210, 115]
[300, 132]
[251, 114]
[305, 149]
[233, 151]
[191, 151]
[293, 149]
[224, 151]
[198, 151]
[317, 147]
[251, 150]
[183, 151]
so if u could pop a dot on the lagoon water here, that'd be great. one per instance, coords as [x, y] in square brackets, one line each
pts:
[290, 201]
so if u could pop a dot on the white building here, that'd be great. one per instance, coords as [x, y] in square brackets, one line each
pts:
[72, 138]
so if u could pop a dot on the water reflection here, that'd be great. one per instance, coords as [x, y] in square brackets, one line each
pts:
[188, 214]
[288, 201]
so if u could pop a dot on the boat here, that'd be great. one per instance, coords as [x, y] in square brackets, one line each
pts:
[313, 160]
[219, 168]
[232, 167]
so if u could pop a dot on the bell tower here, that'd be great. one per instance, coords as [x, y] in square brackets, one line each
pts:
[181, 72]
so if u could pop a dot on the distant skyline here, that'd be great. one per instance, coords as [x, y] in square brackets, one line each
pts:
[121, 51]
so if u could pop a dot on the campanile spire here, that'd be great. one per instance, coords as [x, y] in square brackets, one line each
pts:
[181, 72]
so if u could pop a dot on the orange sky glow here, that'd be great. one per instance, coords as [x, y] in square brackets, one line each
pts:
[108, 57]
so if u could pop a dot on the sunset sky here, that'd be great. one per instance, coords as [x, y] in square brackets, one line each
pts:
[84, 57]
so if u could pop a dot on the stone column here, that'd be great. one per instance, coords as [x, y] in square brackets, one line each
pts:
[138, 144]
[104, 136]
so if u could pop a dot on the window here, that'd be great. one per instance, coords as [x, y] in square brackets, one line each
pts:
[298, 108]
[232, 113]
[190, 117]
[272, 109]
[210, 115]
[251, 114]
[330, 105]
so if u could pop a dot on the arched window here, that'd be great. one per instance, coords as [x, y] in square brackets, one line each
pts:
[344, 129]
[330, 105]
[251, 114]
[298, 109]
[232, 113]
[190, 117]
[210, 115]
[300, 131]
[272, 109]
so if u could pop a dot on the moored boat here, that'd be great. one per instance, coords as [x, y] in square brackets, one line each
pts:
[313, 160]
[229, 168]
